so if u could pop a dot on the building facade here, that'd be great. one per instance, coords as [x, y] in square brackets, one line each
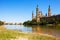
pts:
[39, 14]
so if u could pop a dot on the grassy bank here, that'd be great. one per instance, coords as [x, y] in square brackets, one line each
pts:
[8, 34]
[17, 35]
[35, 36]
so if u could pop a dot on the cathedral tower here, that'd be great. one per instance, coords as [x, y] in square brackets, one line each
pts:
[49, 11]
[32, 15]
[37, 14]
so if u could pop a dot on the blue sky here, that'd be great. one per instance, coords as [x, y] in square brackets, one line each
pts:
[21, 10]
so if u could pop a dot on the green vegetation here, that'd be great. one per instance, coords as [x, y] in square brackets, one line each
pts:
[43, 21]
[8, 34]
[1, 23]
[33, 22]
[35, 36]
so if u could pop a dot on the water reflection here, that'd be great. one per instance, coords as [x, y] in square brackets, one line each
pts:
[38, 29]
[34, 28]
[49, 31]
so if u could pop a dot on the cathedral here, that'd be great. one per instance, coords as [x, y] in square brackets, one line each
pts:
[39, 14]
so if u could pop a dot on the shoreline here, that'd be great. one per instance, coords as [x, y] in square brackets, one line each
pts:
[35, 34]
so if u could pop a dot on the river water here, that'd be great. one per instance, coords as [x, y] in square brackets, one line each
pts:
[37, 29]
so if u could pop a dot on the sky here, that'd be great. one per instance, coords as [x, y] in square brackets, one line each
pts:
[21, 10]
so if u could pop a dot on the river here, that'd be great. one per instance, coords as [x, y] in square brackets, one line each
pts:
[37, 29]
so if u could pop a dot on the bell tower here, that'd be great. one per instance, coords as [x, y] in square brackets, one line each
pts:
[37, 14]
[49, 11]
[32, 15]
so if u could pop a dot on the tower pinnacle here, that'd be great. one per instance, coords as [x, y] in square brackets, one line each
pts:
[37, 14]
[37, 6]
[49, 11]
[32, 15]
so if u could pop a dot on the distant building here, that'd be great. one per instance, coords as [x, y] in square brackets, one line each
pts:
[40, 16]
[49, 11]
[32, 15]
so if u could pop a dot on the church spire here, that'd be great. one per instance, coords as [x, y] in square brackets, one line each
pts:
[32, 15]
[37, 6]
[37, 14]
[49, 6]
[49, 11]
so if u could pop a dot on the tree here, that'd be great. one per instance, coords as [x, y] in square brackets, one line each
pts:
[1, 23]
[43, 22]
